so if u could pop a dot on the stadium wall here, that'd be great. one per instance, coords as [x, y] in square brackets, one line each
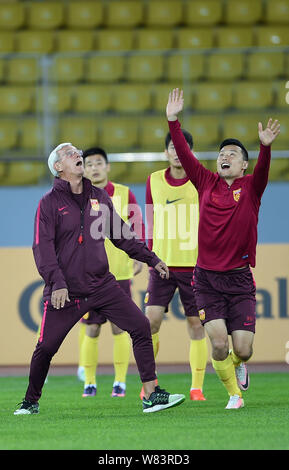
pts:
[21, 286]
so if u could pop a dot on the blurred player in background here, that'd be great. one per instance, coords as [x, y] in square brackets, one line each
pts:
[96, 169]
[172, 215]
[223, 282]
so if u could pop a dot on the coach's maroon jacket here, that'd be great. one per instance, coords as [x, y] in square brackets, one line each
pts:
[68, 248]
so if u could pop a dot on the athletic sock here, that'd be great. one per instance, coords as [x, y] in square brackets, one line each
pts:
[81, 335]
[90, 359]
[156, 343]
[198, 361]
[226, 373]
[236, 360]
[121, 356]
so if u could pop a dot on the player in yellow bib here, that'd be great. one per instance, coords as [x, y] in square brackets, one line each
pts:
[172, 208]
[97, 167]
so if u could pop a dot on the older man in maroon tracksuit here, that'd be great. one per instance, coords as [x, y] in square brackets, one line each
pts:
[71, 223]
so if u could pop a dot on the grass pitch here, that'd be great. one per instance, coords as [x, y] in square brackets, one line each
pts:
[67, 421]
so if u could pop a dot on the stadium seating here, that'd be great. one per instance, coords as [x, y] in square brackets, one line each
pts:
[45, 15]
[114, 40]
[277, 11]
[23, 71]
[7, 42]
[127, 98]
[16, 100]
[234, 36]
[245, 12]
[8, 134]
[253, 95]
[118, 135]
[74, 41]
[166, 13]
[105, 69]
[12, 16]
[203, 12]
[92, 98]
[84, 15]
[81, 131]
[32, 41]
[22, 173]
[102, 70]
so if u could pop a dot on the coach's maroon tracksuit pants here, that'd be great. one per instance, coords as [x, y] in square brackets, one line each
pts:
[116, 306]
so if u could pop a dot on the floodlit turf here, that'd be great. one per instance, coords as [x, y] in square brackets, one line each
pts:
[68, 421]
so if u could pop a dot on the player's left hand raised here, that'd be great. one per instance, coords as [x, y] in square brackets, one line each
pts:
[162, 268]
[268, 135]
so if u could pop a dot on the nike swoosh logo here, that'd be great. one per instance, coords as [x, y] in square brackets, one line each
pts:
[61, 208]
[248, 324]
[174, 200]
[146, 402]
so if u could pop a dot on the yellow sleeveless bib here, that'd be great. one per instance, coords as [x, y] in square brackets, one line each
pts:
[176, 219]
[120, 264]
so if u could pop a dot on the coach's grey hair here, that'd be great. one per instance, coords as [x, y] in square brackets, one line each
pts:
[54, 157]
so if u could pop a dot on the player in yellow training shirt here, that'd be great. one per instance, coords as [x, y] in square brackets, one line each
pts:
[97, 167]
[172, 208]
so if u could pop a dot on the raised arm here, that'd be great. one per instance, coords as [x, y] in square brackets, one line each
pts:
[193, 168]
[261, 170]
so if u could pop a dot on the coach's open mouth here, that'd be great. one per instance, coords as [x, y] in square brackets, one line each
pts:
[224, 166]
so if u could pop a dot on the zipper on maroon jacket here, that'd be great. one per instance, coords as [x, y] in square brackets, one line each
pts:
[80, 238]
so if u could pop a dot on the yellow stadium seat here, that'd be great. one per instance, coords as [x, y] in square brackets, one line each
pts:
[114, 40]
[203, 12]
[253, 95]
[23, 71]
[123, 14]
[243, 127]
[213, 96]
[160, 94]
[154, 39]
[243, 11]
[15, 100]
[53, 99]
[66, 69]
[33, 136]
[81, 131]
[12, 15]
[41, 42]
[45, 15]
[131, 98]
[25, 172]
[8, 134]
[105, 69]
[7, 42]
[265, 65]
[185, 67]
[143, 68]
[277, 11]
[84, 15]
[204, 129]
[153, 131]
[91, 98]
[281, 90]
[118, 135]
[164, 13]
[2, 70]
[272, 36]
[3, 172]
[234, 37]
[74, 41]
[197, 38]
[225, 66]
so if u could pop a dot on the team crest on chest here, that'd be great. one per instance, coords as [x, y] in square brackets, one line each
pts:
[94, 204]
[237, 194]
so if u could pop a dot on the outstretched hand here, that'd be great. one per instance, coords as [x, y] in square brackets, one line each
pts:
[175, 104]
[268, 135]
